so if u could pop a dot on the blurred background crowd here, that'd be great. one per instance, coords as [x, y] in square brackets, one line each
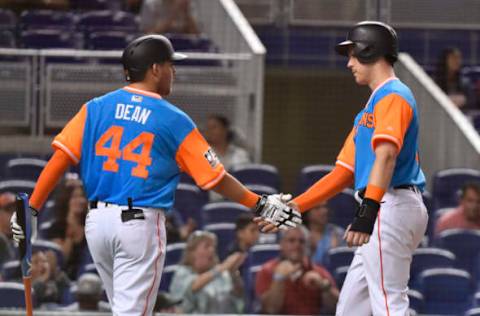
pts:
[276, 121]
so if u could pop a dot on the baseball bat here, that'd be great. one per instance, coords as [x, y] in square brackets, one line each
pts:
[24, 217]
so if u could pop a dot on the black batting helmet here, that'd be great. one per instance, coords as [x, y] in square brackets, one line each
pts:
[145, 51]
[371, 40]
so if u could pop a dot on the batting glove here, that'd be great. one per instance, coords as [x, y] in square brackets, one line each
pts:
[273, 209]
[18, 234]
[365, 216]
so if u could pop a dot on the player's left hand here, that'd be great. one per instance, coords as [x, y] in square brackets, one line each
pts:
[358, 233]
[355, 239]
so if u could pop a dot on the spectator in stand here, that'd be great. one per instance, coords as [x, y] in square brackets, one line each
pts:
[88, 295]
[205, 285]
[323, 235]
[49, 284]
[292, 284]
[449, 80]
[68, 229]
[7, 207]
[168, 16]
[177, 229]
[467, 214]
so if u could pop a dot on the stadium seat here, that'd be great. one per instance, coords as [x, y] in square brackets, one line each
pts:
[25, 168]
[311, 174]
[167, 275]
[428, 258]
[476, 299]
[189, 201]
[259, 254]
[416, 300]
[473, 312]
[105, 40]
[262, 174]
[12, 295]
[465, 244]
[448, 182]
[339, 256]
[46, 245]
[225, 233]
[342, 208]
[47, 19]
[222, 212]
[174, 253]
[261, 189]
[42, 39]
[105, 20]
[11, 270]
[447, 291]
[340, 274]
[8, 20]
[17, 186]
[7, 39]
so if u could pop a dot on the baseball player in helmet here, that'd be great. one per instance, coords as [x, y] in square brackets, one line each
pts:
[380, 158]
[132, 145]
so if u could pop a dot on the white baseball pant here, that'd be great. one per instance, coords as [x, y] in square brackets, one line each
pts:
[377, 280]
[129, 256]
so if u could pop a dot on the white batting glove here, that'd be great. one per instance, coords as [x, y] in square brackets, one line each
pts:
[17, 230]
[273, 209]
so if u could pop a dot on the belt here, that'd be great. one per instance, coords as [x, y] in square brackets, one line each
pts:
[410, 187]
[127, 214]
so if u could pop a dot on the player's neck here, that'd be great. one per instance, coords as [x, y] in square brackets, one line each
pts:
[145, 86]
[380, 75]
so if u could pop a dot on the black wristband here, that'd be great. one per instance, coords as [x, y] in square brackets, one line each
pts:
[262, 201]
[365, 216]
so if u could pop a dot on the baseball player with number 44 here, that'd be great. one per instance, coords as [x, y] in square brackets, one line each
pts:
[380, 157]
[132, 146]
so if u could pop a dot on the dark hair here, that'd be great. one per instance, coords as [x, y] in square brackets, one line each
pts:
[475, 186]
[243, 220]
[441, 75]
[225, 123]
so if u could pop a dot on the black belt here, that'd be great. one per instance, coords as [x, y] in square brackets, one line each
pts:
[127, 215]
[410, 187]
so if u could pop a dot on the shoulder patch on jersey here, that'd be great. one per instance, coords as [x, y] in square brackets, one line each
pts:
[211, 157]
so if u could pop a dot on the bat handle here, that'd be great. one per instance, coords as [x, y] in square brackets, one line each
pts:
[27, 283]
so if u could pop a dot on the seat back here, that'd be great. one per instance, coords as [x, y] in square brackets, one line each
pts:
[222, 212]
[448, 182]
[225, 233]
[261, 174]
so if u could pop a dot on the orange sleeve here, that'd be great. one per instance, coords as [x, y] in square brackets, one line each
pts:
[325, 188]
[48, 179]
[70, 138]
[196, 158]
[392, 117]
[346, 157]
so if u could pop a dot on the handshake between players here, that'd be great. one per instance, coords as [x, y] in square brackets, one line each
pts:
[274, 213]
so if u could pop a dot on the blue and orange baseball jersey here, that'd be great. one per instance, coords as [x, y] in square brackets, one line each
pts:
[390, 115]
[132, 143]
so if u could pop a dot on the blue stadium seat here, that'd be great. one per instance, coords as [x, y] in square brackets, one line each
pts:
[261, 189]
[447, 291]
[262, 174]
[189, 201]
[174, 253]
[340, 274]
[465, 244]
[12, 294]
[446, 184]
[222, 212]
[259, 254]
[25, 168]
[167, 275]
[105, 20]
[338, 257]
[46, 245]
[311, 174]
[476, 299]
[416, 300]
[17, 186]
[47, 19]
[428, 258]
[7, 39]
[473, 312]
[11, 271]
[225, 233]
[108, 40]
[8, 20]
[342, 208]
[41, 39]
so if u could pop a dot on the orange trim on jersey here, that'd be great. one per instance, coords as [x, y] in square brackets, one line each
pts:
[197, 159]
[156, 264]
[392, 115]
[48, 179]
[347, 154]
[144, 92]
[381, 265]
[325, 188]
[70, 138]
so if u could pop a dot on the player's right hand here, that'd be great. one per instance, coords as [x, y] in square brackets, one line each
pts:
[275, 214]
[18, 234]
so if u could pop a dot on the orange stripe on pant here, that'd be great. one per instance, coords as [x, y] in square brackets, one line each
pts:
[381, 265]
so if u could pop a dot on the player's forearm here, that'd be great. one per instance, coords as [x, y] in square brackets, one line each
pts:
[232, 189]
[384, 165]
[48, 179]
[325, 188]
[272, 299]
